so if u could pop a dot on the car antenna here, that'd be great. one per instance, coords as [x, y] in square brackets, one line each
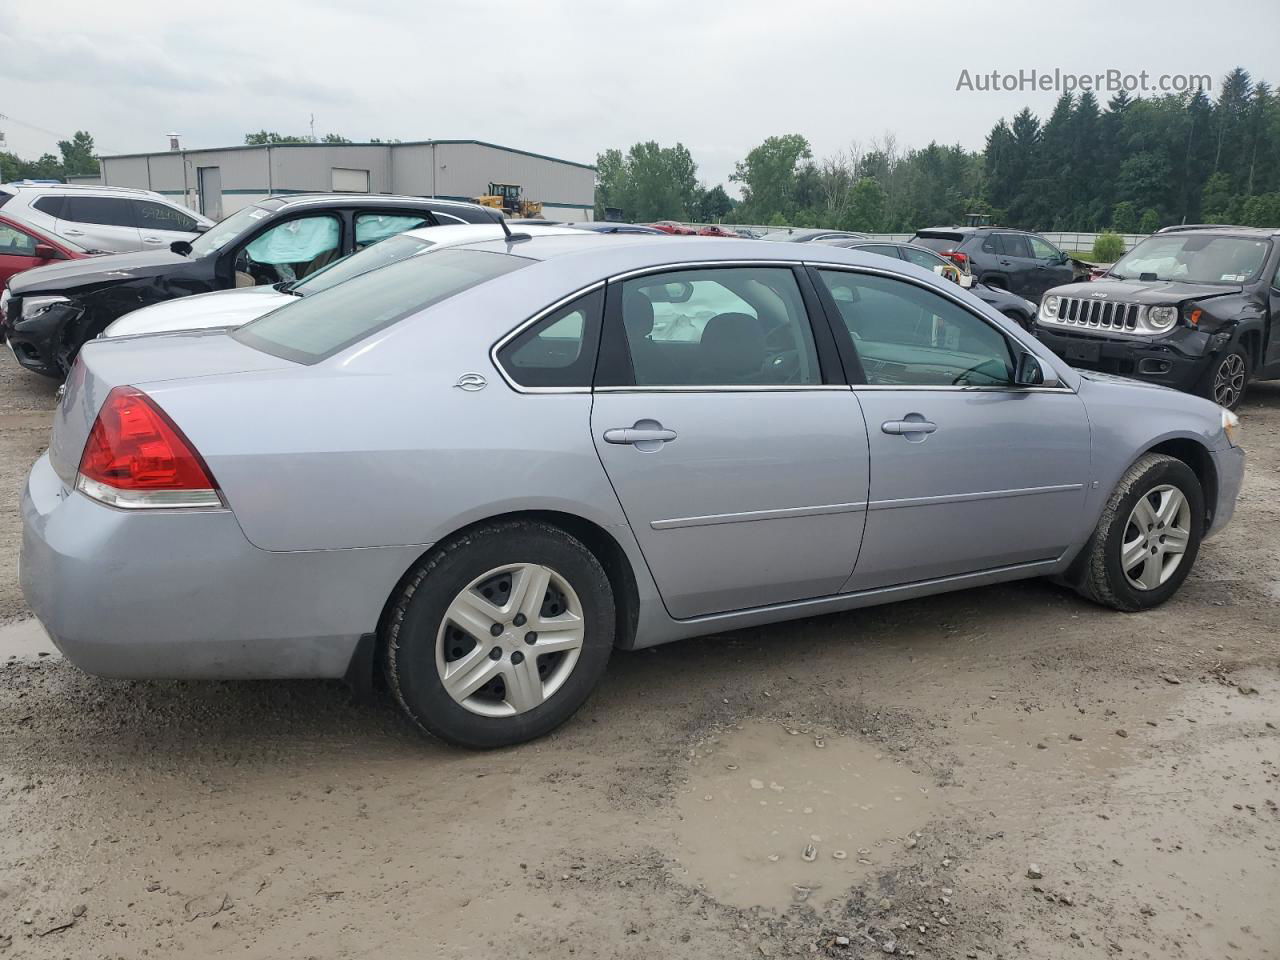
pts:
[511, 237]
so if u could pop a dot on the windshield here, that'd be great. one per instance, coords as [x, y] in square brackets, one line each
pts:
[316, 327]
[372, 257]
[224, 231]
[1193, 258]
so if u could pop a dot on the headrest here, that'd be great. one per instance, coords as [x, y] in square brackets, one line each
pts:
[732, 345]
[637, 314]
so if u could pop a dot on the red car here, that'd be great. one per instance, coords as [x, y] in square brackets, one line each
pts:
[23, 246]
[716, 230]
[675, 228]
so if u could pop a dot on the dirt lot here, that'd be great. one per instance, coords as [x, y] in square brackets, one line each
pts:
[928, 752]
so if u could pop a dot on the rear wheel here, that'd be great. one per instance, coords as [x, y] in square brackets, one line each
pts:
[1225, 381]
[1147, 538]
[500, 636]
[1020, 319]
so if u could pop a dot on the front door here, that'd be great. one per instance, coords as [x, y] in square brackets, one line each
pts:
[741, 467]
[968, 471]
[1052, 268]
[17, 252]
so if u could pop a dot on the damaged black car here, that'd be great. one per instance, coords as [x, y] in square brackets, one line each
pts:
[1196, 308]
[48, 313]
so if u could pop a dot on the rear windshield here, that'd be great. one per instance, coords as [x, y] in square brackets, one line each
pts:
[1193, 258]
[939, 242]
[391, 250]
[316, 327]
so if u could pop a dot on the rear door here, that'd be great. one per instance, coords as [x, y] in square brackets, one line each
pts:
[968, 471]
[100, 223]
[738, 455]
[159, 224]
[1015, 260]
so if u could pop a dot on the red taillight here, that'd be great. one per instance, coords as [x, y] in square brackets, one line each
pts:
[137, 457]
[959, 259]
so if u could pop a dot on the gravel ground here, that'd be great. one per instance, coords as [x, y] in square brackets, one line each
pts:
[1006, 772]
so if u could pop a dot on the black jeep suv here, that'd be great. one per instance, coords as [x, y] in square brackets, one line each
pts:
[46, 314]
[1023, 263]
[1195, 307]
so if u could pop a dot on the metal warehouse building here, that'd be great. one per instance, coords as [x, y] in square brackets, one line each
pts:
[221, 180]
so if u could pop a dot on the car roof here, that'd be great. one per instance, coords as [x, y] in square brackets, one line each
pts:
[364, 199]
[1219, 229]
[472, 232]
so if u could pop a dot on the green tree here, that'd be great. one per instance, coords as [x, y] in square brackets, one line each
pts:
[1108, 248]
[866, 207]
[770, 177]
[1124, 218]
[650, 182]
[1150, 221]
[77, 155]
[262, 137]
[713, 205]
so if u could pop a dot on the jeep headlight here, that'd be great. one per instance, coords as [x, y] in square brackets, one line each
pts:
[1161, 319]
[1049, 307]
[32, 307]
[1231, 427]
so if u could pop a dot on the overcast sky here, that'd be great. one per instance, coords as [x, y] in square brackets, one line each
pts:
[573, 77]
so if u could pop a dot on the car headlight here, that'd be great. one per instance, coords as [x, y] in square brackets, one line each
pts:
[32, 307]
[1231, 427]
[1161, 319]
[1049, 307]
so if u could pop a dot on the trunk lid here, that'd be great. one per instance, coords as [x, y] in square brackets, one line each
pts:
[104, 364]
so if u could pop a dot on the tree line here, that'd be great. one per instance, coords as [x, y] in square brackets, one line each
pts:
[76, 158]
[1132, 166]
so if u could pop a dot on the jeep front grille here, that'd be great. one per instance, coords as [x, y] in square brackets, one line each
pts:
[1103, 314]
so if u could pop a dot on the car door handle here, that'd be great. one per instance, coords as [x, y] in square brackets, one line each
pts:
[913, 424]
[152, 240]
[639, 435]
[73, 233]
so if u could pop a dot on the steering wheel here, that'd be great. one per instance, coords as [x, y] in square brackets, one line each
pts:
[974, 369]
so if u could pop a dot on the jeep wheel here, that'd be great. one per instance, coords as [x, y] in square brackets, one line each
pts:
[1227, 377]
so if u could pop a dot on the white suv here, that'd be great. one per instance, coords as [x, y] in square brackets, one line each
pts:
[106, 219]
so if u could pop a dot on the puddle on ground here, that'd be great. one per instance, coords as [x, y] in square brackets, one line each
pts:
[25, 640]
[758, 796]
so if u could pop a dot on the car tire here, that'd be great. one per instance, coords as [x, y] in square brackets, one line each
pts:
[1115, 570]
[492, 573]
[1227, 378]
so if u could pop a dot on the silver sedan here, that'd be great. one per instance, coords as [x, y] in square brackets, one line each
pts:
[482, 469]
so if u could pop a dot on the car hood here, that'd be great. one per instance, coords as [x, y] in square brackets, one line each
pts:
[222, 309]
[1156, 292]
[1097, 376]
[70, 274]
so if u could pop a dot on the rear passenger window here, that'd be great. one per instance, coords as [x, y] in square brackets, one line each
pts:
[107, 211]
[159, 216]
[560, 349]
[372, 227]
[741, 326]
[50, 205]
[906, 335]
[1014, 245]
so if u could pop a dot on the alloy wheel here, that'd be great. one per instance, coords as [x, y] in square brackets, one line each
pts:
[1156, 537]
[510, 640]
[1228, 380]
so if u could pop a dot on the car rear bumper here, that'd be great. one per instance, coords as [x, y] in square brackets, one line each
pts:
[1229, 465]
[183, 595]
[1173, 361]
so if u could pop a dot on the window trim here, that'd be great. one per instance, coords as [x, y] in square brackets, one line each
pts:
[614, 363]
[533, 321]
[592, 324]
[845, 341]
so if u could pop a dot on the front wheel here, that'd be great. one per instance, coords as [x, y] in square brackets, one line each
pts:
[1225, 381]
[500, 636]
[1147, 538]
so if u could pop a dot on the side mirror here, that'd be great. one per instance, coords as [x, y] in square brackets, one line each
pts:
[181, 247]
[201, 228]
[1031, 373]
[47, 251]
